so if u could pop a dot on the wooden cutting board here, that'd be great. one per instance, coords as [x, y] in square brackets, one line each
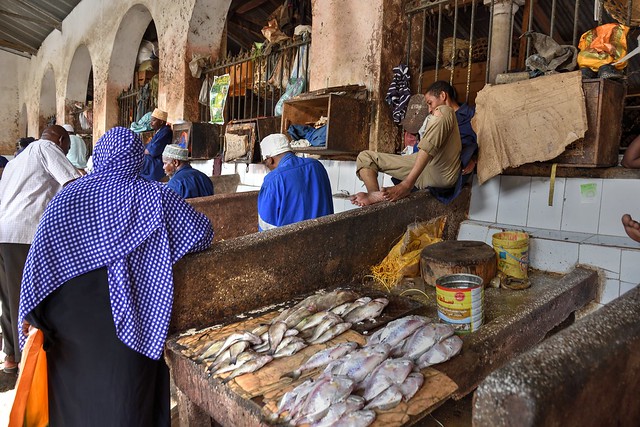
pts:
[267, 385]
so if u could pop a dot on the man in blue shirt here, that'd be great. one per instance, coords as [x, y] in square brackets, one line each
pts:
[152, 165]
[296, 188]
[184, 180]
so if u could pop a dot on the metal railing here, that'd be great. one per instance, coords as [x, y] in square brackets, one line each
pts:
[259, 78]
[132, 105]
[454, 35]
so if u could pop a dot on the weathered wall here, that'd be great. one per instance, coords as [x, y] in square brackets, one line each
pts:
[232, 215]
[359, 42]
[111, 32]
[11, 67]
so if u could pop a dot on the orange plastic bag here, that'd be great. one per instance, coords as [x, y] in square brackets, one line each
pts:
[603, 45]
[31, 405]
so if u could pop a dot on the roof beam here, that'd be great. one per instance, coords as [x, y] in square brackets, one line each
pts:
[18, 46]
[250, 5]
[29, 19]
[15, 52]
[57, 23]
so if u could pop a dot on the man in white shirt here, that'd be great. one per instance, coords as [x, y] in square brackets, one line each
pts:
[28, 183]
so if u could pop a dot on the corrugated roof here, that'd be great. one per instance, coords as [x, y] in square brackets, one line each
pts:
[26, 23]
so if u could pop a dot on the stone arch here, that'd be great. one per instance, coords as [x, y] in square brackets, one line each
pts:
[123, 57]
[47, 104]
[23, 122]
[78, 82]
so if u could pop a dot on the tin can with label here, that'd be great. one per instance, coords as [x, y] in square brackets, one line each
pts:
[461, 301]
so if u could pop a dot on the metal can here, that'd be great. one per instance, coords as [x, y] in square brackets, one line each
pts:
[461, 301]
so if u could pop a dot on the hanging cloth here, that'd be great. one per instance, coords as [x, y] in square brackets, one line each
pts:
[399, 92]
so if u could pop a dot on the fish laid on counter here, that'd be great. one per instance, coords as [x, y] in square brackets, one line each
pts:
[227, 366]
[251, 366]
[311, 321]
[355, 304]
[398, 330]
[327, 323]
[331, 333]
[411, 385]
[361, 418]
[237, 337]
[359, 364]
[371, 310]
[321, 397]
[425, 338]
[275, 335]
[323, 358]
[211, 350]
[441, 352]
[350, 404]
[386, 400]
[388, 373]
[290, 349]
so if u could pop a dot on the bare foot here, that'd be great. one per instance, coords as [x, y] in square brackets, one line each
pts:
[631, 226]
[366, 199]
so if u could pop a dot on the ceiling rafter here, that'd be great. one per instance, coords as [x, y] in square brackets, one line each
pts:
[27, 18]
[18, 47]
[57, 23]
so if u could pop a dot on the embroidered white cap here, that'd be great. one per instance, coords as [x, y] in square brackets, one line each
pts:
[68, 128]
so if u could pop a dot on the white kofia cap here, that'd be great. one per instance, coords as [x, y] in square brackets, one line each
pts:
[273, 145]
[68, 128]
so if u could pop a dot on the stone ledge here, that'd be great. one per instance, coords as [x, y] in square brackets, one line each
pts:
[544, 169]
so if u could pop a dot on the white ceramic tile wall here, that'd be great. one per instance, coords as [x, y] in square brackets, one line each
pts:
[607, 258]
[386, 180]
[347, 179]
[228, 168]
[552, 255]
[540, 214]
[619, 196]
[333, 170]
[472, 230]
[244, 188]
[618, 241]
[581, 211]
[204, 166]
[513, 203]
[626, 287]
[611, 291]
[255, 175]
[484, 199]
[630, 266]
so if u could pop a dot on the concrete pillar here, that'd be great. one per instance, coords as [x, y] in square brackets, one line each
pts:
[503, 11]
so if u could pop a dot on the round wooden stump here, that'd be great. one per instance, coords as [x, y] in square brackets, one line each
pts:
[458, 256]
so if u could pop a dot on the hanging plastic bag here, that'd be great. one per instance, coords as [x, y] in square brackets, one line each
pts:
[31, 404]
[603, 45]
[218, 97]
[295, 88]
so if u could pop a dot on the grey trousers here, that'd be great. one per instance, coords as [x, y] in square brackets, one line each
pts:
[12, 259]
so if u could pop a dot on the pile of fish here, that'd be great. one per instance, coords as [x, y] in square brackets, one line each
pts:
[380, 375]
[315, 320]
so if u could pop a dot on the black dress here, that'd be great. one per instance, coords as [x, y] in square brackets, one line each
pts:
[95, 379]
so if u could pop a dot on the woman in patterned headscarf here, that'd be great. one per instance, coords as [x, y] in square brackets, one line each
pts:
[98, 282]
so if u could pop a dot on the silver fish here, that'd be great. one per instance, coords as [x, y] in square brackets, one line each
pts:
[260, 329]
[386, 400]
[251, 366]
[411, 385]
[297, 316]
[311, 321]
[288, 400]
[339, 310]
[359, 364]
[303, 394]
[401, 328]
[288, 340]
[329, 321]
[388, 373]
[370, 310]
[374, 339]
[350, 404]
[440, 352]
[290, 349]
[234, 338]
[323, 358]
[361, 418]
[276, 333]
[236, 349]
[282, 316]
[357, 303]
[322, 397]
[425, 338]
[228, 367]
[262, 348]
[326, 301]
[291, 333]
[398, 351]
[333, 332]
[211, 350]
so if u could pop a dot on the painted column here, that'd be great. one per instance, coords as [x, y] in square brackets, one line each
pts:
[503, 11]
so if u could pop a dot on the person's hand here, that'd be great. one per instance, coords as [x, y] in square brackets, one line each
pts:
[397, 192]
[25, 327]
[146, 151]
[470, 166]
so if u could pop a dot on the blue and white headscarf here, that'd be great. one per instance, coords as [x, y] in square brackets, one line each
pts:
[115, 219]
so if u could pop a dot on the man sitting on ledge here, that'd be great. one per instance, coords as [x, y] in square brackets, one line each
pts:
[436, 164]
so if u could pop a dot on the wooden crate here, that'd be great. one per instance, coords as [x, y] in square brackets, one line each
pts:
[604, 100]
[347, 124]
